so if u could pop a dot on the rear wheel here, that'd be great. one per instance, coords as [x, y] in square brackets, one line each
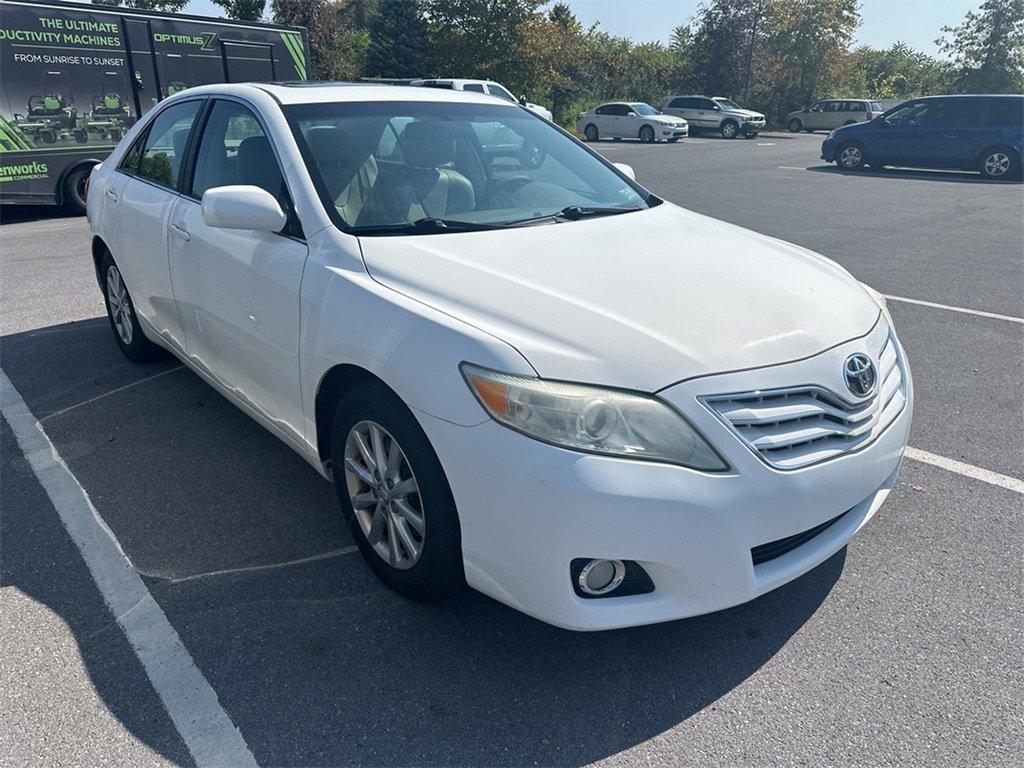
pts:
[729, 129]
[647, 134]
[851, 156]
[999, 163]
[590, 132]
[73, 193]
[121, 313]
[796, 125]
[394, 494]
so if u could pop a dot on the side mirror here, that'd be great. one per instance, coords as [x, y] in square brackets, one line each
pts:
[522, 100]
[626, 169]
[243, 207]
[631, 113]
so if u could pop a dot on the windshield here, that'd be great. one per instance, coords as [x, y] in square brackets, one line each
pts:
[876, 107]
[727, 103]
[387, 164]
[645, 109]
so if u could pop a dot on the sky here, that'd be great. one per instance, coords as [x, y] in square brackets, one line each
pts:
[883, 22]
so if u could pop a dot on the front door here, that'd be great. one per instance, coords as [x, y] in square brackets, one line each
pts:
[238, 290]
[900, 137]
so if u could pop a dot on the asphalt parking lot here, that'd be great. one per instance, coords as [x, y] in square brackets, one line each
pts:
[904, 648]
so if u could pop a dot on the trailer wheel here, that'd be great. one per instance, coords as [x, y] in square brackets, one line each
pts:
[76, 184]
[47, 137]
[81, 137]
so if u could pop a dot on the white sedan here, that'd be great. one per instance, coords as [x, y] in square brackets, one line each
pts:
[630, 120]
[437, 300]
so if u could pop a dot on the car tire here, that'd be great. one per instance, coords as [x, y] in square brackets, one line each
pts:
[424, 519]
[74, 189]
[647, 134]
[590, 132]
[796, 125]
[729, 129]
[999, 163]
[851, 156]
[121, 314]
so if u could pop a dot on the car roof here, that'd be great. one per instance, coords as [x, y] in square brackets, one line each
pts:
[321, 93]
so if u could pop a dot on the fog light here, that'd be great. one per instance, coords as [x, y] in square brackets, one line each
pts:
[599, 577]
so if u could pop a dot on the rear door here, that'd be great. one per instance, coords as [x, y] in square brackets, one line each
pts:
[137, 209]
[956, 132]
[238, 290]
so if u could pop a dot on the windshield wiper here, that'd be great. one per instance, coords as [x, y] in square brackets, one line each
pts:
[425, 226]
[575, 213]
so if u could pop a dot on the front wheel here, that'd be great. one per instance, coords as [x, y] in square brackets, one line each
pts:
[850, 156]
[999, 163]
[796, 125]
[729, 129]
[590, 132]
[647, 134]
[394, 495]
[121, 313]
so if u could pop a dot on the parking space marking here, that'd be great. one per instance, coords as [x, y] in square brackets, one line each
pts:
[207, 730]
[269, 566]
[964, 310]
[111, 392]
[967, 470]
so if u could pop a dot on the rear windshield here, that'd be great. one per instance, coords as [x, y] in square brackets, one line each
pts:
[387, 164]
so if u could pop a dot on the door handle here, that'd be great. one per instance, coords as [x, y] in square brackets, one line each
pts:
[111, 195]
[180, 232]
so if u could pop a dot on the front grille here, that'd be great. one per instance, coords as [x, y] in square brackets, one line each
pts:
[798, 426]
[779, 547]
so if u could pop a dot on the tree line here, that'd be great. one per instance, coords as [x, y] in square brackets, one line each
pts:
[770, 55]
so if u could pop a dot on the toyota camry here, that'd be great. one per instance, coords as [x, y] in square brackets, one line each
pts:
[438, 300]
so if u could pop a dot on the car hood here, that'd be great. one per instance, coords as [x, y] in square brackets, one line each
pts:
[743, 112]
[639, 300]
[666, 119]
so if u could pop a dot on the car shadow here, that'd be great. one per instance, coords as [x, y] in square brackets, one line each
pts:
[241, 544]
[19, 214]
[916, 174]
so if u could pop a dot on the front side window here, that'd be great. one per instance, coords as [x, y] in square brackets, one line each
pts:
[163, 150]
[235, 150]
[727, 103]
[911, 113]
[393, 164]
[476, 87]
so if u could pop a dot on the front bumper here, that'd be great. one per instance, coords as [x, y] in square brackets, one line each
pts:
[675, 133]
[828, 150]
[528, 509]
[753, 126]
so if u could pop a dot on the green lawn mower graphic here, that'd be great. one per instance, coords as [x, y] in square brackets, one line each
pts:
[51, 116]
[109, 115]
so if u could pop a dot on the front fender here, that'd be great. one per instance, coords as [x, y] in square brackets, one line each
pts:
[349, 318]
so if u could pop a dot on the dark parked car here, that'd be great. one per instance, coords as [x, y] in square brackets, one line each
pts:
[978, 133]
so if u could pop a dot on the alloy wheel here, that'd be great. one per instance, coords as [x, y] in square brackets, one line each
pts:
[385, 495]
[851, 157]
[729, 130]
[647, 134]
[997, 164]
[120, 306]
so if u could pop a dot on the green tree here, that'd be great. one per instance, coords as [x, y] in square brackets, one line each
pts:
[337, 43]
[399, 41]
[171, 6]
[987, 48]
[246, 10]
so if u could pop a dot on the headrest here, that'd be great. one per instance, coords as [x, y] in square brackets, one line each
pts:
[329, 144]
[428, 144]
[257, 164]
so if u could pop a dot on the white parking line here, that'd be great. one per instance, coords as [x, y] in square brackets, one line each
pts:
[204, 726]
[964, 310]
[129, 385]
[967, 470]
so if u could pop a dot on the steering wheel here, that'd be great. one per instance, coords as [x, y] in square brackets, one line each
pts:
[501, 193]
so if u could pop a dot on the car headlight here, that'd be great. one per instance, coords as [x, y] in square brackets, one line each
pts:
[880, 301]
[598, 420]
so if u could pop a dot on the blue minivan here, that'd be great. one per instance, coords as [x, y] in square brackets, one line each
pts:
[978, 133]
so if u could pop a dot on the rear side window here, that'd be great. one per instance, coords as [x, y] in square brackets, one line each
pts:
[1006, 112]
[604, 109]
[957, 112]
[438, 84]
[473, 87]
[163, 150]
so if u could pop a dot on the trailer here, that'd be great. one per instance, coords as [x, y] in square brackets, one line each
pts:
[76, 77]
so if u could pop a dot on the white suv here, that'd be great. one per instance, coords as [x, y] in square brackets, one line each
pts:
[521, 369]
[716, 114]
[482, 86]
